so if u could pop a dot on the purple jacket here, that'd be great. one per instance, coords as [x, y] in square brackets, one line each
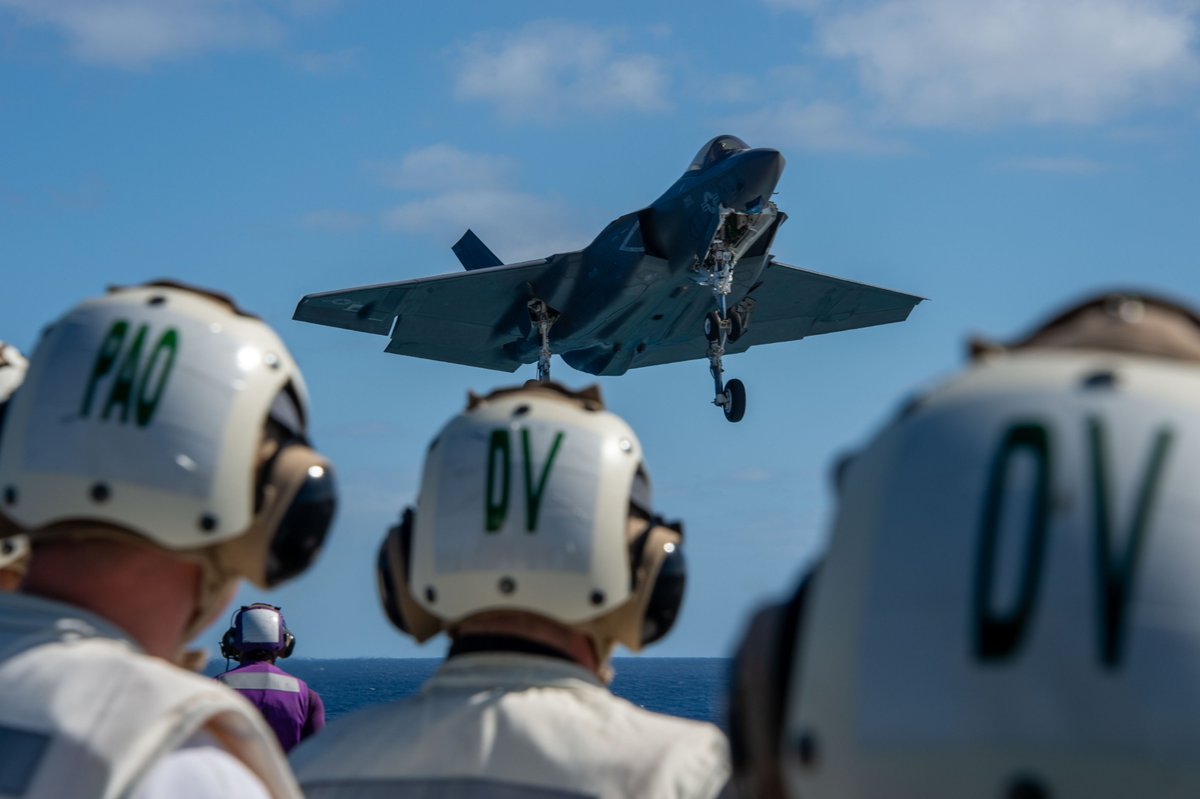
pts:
[293, 710]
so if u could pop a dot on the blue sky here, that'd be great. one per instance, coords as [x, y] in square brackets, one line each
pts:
[1000, 157]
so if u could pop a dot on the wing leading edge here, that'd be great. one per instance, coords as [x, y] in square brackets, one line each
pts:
[790, 303]
[469, 318]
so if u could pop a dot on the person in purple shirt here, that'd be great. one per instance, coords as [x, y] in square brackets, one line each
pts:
[256, 637]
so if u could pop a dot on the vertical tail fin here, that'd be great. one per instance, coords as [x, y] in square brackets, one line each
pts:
[473, 253]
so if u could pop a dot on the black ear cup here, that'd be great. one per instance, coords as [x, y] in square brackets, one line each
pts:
[658, 553]
[228, 644]
[305, 481]
[388, 596]
[759, 690]
[289, 643]
[392, 570]
[665, 598]
[393, 580]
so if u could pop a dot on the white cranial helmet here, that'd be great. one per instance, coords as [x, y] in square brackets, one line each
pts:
[526, 503]
[167, 413]
[14, 549]
[12, 370]
[14, 552]
[1010, 603]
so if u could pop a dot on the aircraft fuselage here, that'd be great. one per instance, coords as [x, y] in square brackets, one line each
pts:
[642, 267]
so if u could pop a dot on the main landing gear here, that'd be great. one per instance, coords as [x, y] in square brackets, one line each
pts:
[543, 318]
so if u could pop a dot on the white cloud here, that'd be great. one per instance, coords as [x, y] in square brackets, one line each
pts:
[475, 190]
[994, 62]
[817, 126]
[332, 62]
[547, 71]
[1060, 165]
[514, 225]
[450, 190]
[136, 33]
[444, 167]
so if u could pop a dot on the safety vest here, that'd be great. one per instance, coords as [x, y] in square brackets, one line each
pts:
[84, 713]
[283, 700]
[509, 726]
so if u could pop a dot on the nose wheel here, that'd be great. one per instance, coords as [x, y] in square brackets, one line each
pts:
[730, 396]
[735, 400]
[725, 325]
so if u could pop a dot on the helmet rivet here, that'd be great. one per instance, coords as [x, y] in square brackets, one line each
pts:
[271, 360]
[100, 492]
[208, 522]
[597, 597]
[507, 585]
[806, 749]
[430, 594]
[10, 495]
[1026, 787]
[626, 445]
[157, 299]
[1103, 379]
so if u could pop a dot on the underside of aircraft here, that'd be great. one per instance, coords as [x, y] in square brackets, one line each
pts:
[688, 277]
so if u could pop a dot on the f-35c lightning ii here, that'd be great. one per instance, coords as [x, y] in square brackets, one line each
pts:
[687, 277]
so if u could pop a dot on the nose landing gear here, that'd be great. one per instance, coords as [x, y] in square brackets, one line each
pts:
[735, 232]
[730, 397]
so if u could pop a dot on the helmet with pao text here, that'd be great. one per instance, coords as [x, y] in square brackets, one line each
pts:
[166, 413]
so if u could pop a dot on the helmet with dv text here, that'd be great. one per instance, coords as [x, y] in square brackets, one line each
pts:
[535, 499]
[1008, 606]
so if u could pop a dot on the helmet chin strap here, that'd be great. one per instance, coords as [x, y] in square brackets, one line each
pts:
[604, 650]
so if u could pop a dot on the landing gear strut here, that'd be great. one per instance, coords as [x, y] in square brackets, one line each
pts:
[726, 325]
[731, 396]
[543, 318]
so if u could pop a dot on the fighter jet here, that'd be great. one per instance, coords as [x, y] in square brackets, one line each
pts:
[688, 277]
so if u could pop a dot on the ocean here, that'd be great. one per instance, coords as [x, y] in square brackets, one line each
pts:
[690, 687]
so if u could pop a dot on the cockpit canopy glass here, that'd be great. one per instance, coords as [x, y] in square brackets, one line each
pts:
[717, 150]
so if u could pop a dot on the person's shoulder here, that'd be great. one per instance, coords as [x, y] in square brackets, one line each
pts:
[358, 728]
[662, 725]
[202, 772]
[275, 668]
[690, 758]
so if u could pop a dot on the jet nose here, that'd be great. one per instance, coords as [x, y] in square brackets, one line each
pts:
[758, 173]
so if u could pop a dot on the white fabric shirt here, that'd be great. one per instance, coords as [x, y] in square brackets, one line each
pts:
[512, 725]
[200, 769]
[83, 712]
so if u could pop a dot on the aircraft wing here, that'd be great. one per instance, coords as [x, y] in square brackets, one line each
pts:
[791, 303]
[464, 317]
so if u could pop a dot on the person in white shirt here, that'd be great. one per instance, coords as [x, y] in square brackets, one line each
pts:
[154, 456]
[535, 547]
[1009, 606]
